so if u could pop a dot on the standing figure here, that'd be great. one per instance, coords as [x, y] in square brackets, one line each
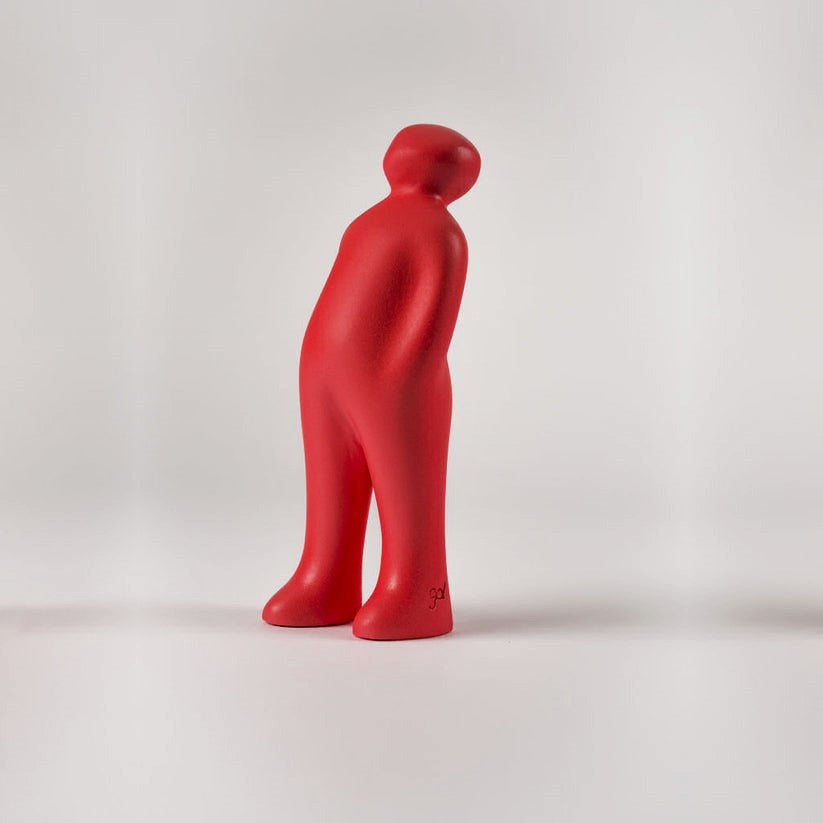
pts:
[375, 401]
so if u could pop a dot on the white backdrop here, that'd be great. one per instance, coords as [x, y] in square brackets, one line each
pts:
[636, 368]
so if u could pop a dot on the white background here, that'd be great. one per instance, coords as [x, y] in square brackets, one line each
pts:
[636, 472]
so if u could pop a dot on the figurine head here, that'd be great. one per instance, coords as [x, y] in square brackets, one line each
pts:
[433, 160]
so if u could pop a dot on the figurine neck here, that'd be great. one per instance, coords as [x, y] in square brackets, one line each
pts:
[416, 190]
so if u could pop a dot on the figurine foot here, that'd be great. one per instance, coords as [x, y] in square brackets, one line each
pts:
[393, 615]
[302, 604]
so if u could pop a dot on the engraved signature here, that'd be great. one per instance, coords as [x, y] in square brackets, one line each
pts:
[437, 594]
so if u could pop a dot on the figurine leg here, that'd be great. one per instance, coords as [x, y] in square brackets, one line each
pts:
[406, 451]
[326, 588]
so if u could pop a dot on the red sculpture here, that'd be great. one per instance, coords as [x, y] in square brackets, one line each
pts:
[375, 401]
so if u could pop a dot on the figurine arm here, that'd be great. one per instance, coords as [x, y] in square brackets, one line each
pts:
[424, 327]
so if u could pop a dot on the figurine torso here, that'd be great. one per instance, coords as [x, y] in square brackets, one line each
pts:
[391, 298]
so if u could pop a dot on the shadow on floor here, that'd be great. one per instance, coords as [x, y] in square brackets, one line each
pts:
[775, 616]
[748, 614]
[565, 616]
[552, 617]
[203, 617]
[474, 621]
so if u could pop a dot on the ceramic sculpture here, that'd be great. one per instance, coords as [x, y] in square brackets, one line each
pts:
[375, 401]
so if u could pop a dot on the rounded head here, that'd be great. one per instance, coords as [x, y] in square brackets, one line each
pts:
[433, 160]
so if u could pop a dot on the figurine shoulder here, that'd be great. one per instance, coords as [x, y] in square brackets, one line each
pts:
[443, 239]
[430, 224]
[454, 237]
[412, 226]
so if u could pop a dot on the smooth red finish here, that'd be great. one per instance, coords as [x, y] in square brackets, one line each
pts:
[375, 401]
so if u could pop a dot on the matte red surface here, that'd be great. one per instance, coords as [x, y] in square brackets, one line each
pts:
[375, 401]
